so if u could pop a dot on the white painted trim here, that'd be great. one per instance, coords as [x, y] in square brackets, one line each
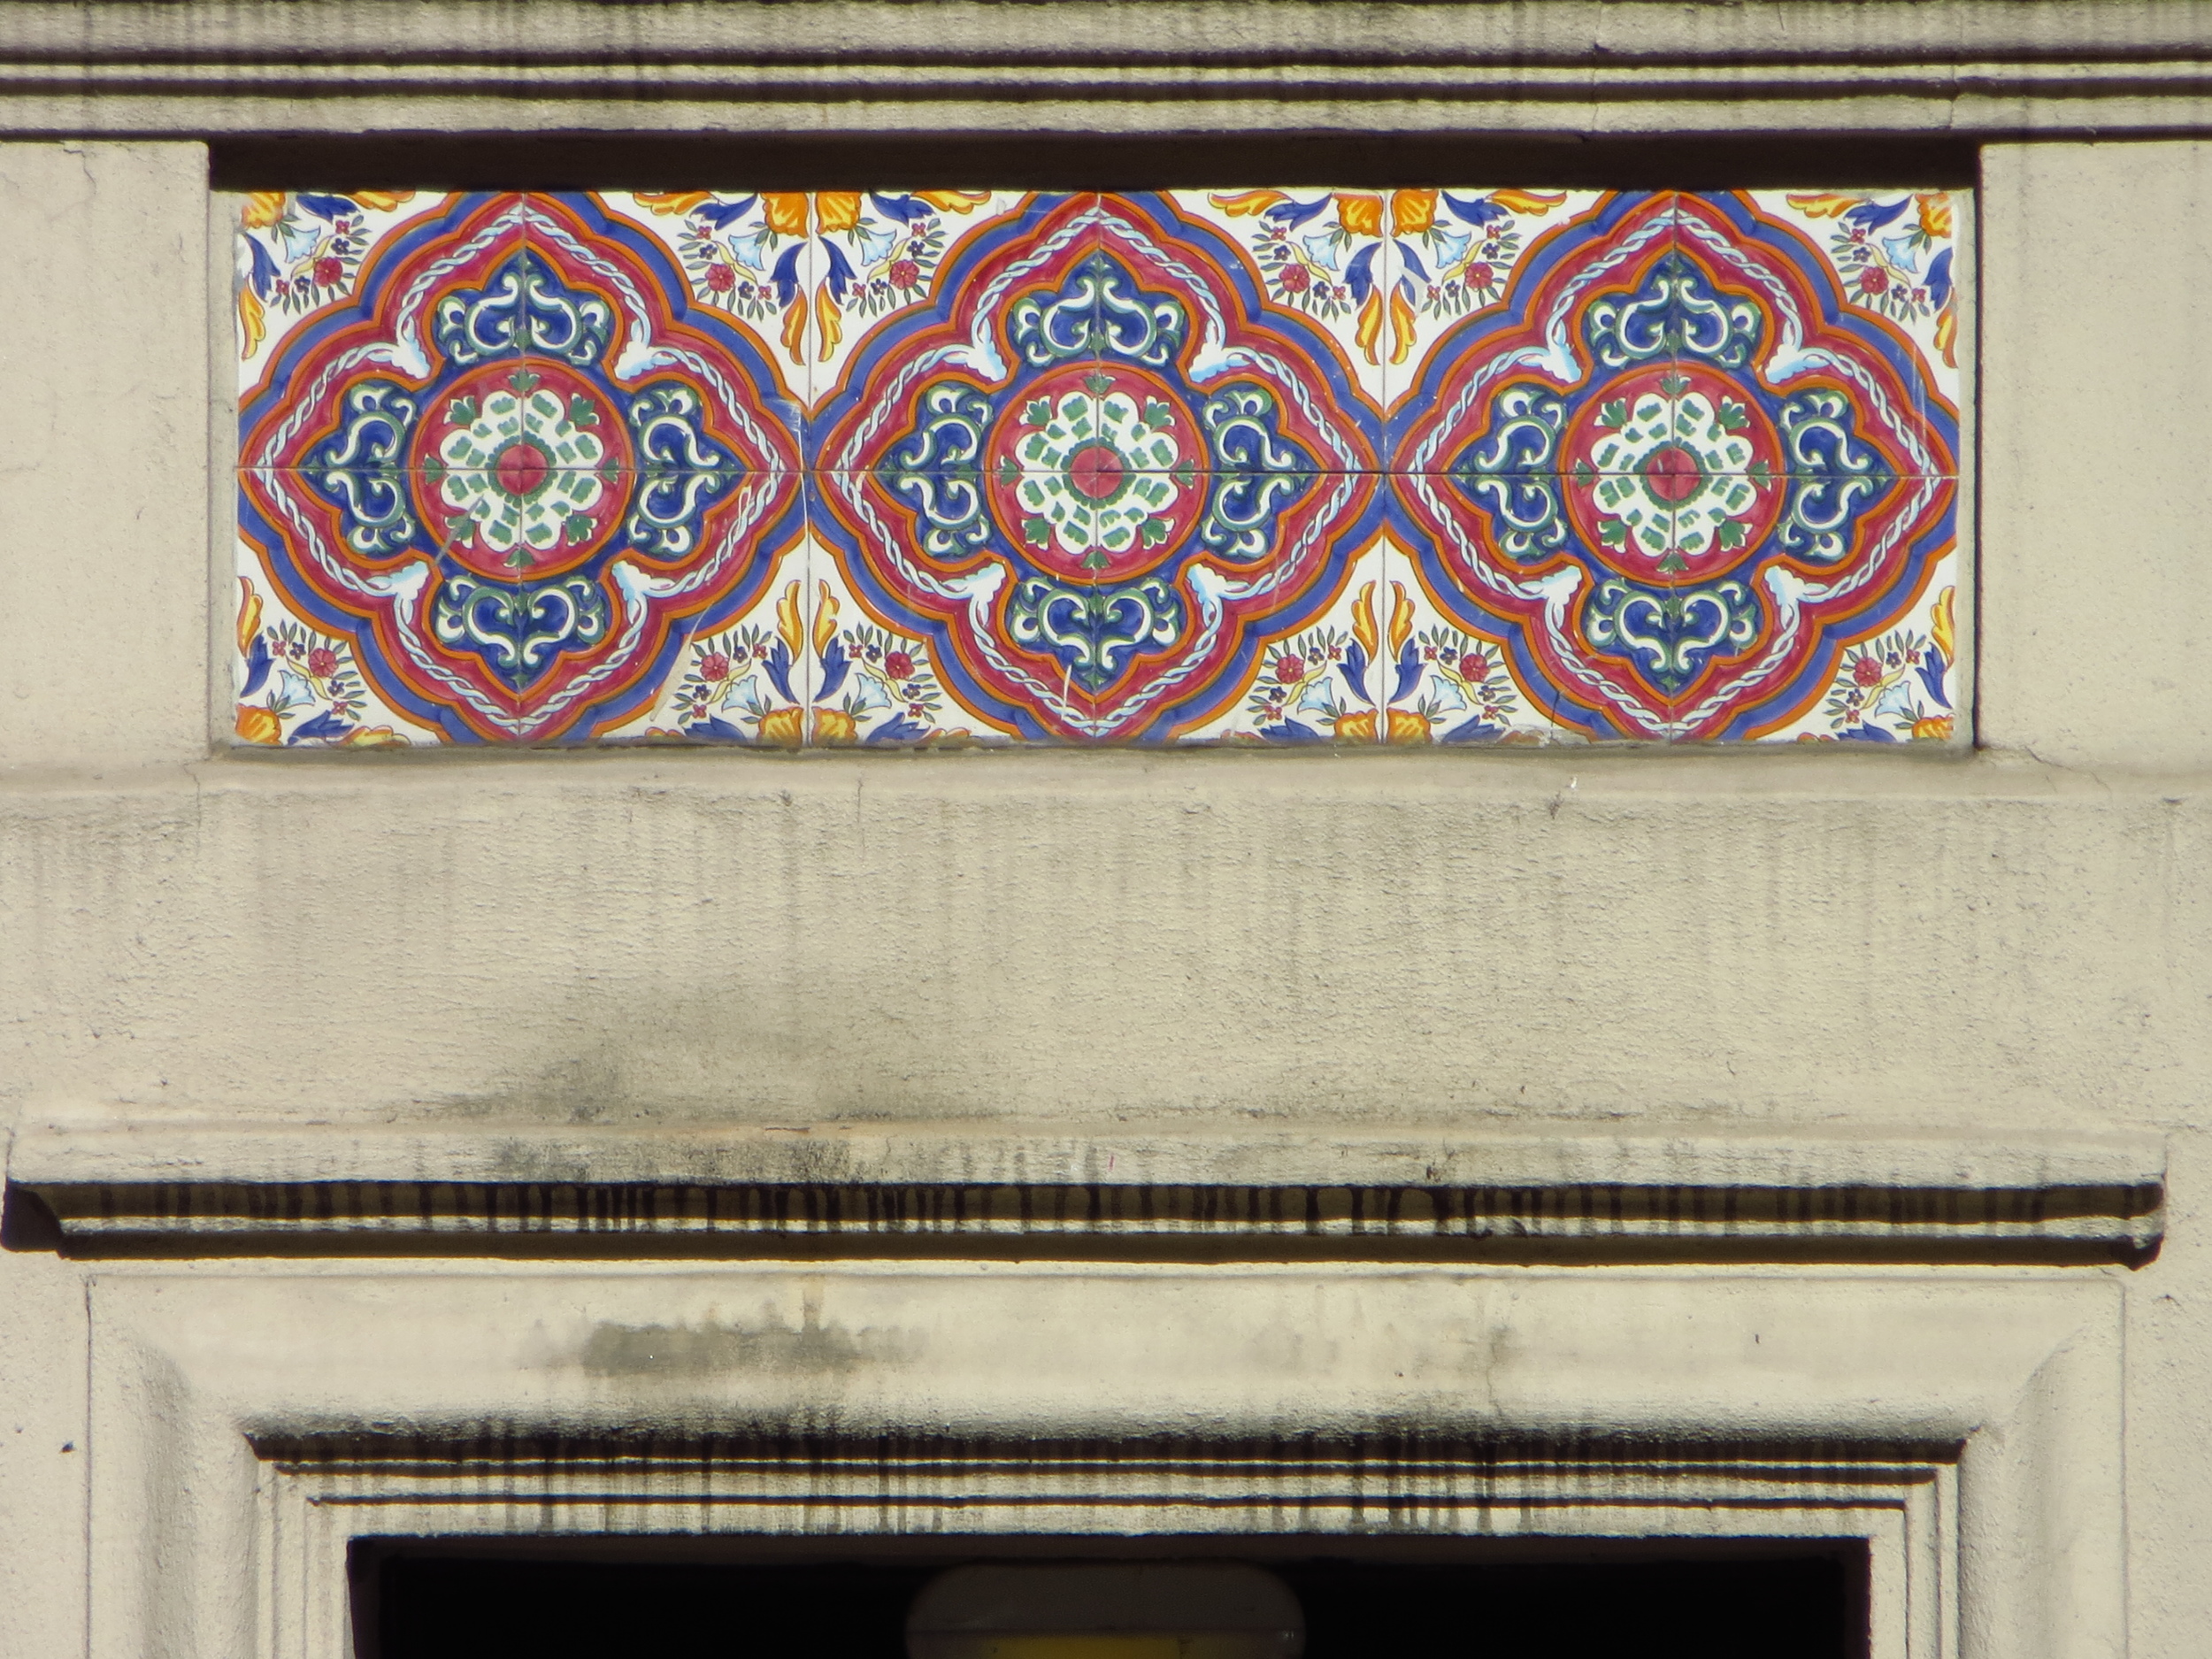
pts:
[205, 1546]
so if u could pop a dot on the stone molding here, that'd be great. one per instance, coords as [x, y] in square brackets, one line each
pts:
[252, 1426]
[1641, 1195]
[377, 65]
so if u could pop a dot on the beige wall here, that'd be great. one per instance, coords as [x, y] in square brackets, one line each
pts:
[2016, 937]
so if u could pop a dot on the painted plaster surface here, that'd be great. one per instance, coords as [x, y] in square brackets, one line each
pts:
[2017, 936]
[1263, 467]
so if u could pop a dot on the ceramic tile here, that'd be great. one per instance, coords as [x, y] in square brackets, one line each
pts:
[1247, 465]
[1894, 254]
[918, 563]
[1310, 676]
[296, 681]
[1443, 683]
[301, 258]
[1900, 684]
[1664, 525]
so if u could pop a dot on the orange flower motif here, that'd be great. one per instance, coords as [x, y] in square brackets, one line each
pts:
[783, 728]
[1360, 215]
[1412, 212]
[263, 209]
[786, 211]
[1935, 213]
[836, 211]
[1936, 730]
[1406, 726]
[1356, 728]
[259, 725]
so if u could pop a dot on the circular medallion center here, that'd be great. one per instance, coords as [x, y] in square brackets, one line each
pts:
[521, 469]
[1673, 470]
[1092, 472]
[1672, 473]
[1096, 471]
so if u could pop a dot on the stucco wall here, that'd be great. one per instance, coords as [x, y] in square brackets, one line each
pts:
[2017, 938]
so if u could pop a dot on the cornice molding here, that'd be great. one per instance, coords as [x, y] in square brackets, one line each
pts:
[1646, 1194]
[1948, 67]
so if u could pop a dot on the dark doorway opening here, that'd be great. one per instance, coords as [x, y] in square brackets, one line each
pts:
[1726, 1600]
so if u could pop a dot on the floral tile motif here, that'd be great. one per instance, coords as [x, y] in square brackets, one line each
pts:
[1679, 471]
[1272, 466]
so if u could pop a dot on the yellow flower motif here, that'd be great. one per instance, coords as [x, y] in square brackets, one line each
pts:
[1823, 204]
[1244, 204]
[673, 203]
[1408, 726]
[1528, 203]
[1400, 617]
[1947, 335]
[1939, 624]
[1937, 729]
[251, 321]
[787, 627]
[1364, 627]
[825, 618]
[1935, 213]
[248, 614]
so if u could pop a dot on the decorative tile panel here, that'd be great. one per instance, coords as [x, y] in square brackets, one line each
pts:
[1262, 467]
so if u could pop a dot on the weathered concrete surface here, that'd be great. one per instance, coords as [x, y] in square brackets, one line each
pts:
[1565, 68]
[104, 476]
[2015, 939]
[1404, 940]
[2095, 496]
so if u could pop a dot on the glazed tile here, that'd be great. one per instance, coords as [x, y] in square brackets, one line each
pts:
[1444, 684]
[295, 680]
[902, 467]
[301, 258]
[1313, 258]
[1310, 671]
[1465, 344]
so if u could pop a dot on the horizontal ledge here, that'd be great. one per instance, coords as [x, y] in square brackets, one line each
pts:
[981, 1182]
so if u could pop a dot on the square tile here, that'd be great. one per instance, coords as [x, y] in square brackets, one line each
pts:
[1317, 254]
[1444, 684]
[1468, 274]
[1310, 680]
[301, 256]
[296, 683]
